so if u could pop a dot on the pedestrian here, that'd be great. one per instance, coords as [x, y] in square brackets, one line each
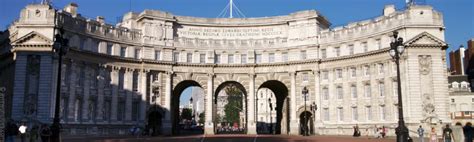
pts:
[447, 134]
[421, 133]
[356, 131]
[384, 131]
[468, 132]
[433, 136]
[458, 133]
[34, 133]
[45, 133]
[22, 129]
[11, 130]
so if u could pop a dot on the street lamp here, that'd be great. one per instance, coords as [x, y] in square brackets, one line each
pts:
[305, 94]
[271, 118]
[60, 47]
[396, 50]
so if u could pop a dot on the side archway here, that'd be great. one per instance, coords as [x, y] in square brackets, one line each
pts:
[282, 104]
[175, 103]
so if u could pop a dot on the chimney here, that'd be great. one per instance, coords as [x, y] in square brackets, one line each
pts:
[388, 10]
[71, 8]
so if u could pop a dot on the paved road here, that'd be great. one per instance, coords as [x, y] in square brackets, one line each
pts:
[229, 138]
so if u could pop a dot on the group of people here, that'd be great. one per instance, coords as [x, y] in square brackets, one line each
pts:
[12, 131]
[458, 133]
[379, 132]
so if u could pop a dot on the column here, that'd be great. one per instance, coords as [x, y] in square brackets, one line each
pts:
[209, 125]
[19, 86]
[167, 115]
[128, 87]
[85, 99]
[72, 90]
[100, 93]
[317, 99]
[294, 127]
[142, 91]
[252, 126]
[114, 81]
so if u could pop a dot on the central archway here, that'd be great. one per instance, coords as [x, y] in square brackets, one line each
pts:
[280, 91]
[176, 118]
[218, 101]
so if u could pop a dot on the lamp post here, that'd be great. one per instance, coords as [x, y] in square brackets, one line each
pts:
[60, 47]
[271, 118]
[396, 50]
[192, 107]
[305, 126]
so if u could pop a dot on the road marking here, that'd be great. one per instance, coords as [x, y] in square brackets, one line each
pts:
[203, 136]
[255, 139]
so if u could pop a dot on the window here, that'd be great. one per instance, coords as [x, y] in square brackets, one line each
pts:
[325, 75]
[367, 90]
[135, 82]
[339, 92]
[271, 57]
[305, 77]
[189, 57]
[258, 58]
[230, 58]
[378, 43]
[202, 58]
[364, 45]
[175, 56]
[337, 51]
[323, 53]
[284, 56]
[123, 51]
[157, 55]
[326, 114]
[381, 89]
[381, 68]
[325, 94]
[121, 79]
[217, 59]
[382, 113]
[395, 88]
[351, 49]
[243, 58]
[339, 73]
[353, 72]
[109, 49]
[137, 53]
[340, 114]
[354, 91]
[367, 70]
[355, 115]
[303, 55]
[368, 113]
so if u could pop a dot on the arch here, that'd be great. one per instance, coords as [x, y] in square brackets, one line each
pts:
[176, 94]
[219, 88]
[280, 91]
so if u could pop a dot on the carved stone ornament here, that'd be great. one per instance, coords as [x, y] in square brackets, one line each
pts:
[428, 107]
[425, 64]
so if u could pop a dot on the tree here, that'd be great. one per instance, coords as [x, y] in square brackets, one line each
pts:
[186, 114]
[201, 118]
[234, 104]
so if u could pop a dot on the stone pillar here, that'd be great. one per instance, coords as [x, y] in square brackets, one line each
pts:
[167, 115]
[252, 126]
[72, 90]
[114, 81]
[100, 93]
[142, 91]
[317, 99]
[209, 124]
[293, 119]
[128, 87]
[86, 87]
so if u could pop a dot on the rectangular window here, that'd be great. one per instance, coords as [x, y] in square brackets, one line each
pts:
[258, 58]
[217, 59]
[353, 72]
[326, 114]
[381, 68]
[381, 89]
[284, 56]
[340, 114]
[367, 90]
[325, 75]
[189, 57]
[121, 79]
[351, 49]
[368, 113]
[123, 51]
[355, 114]
[337, 51]
[109, 49]
[271, 57]
[367, 70]
[230, 58]
[157, 55]
[137, 53]
[364, 45]
[323, 53]
[243, 58]
[354, 91]
[303, 55]
[202, 58]
[325, 94]
[382, 113]
[339, 93]
[175, 56]
[135, 82]
[339, 73]
[378, 43]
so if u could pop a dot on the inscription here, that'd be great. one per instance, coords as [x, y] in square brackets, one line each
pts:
[230, 32]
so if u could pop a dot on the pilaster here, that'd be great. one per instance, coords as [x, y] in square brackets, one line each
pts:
[100, 93]
[209, 125]
[114, 80]
[72, 89]
[86, 87]
[142, 91]
[167, 115]
[128, 87]
[293, 121]
[252, 126]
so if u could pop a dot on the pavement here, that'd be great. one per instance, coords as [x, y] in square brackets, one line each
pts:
[229, 138]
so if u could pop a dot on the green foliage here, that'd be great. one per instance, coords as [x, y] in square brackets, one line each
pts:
[201, 118]
[234, 105]
[187, 114]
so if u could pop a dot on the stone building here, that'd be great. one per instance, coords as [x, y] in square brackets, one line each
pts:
[132, 73]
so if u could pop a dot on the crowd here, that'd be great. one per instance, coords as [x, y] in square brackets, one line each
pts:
[24, 133]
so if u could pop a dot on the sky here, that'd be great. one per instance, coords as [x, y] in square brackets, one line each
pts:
[458, 14]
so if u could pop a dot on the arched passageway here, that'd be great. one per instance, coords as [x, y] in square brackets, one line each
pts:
[280, 91]
[230, 101]
[184, 112]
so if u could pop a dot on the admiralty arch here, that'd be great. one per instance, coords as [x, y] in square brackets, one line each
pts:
[118, 76]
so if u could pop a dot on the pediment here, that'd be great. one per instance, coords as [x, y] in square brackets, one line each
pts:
[33, 38]
[425, 39]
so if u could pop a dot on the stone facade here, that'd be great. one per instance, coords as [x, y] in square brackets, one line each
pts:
[114, 76]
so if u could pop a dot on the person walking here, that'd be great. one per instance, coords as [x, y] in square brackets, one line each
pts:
[458, 133]
[421, 133]
[356, 131]
[11, 130]
[34, 133]
[45, 133]
[468, 132]
[447, 134]
[433, 136]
